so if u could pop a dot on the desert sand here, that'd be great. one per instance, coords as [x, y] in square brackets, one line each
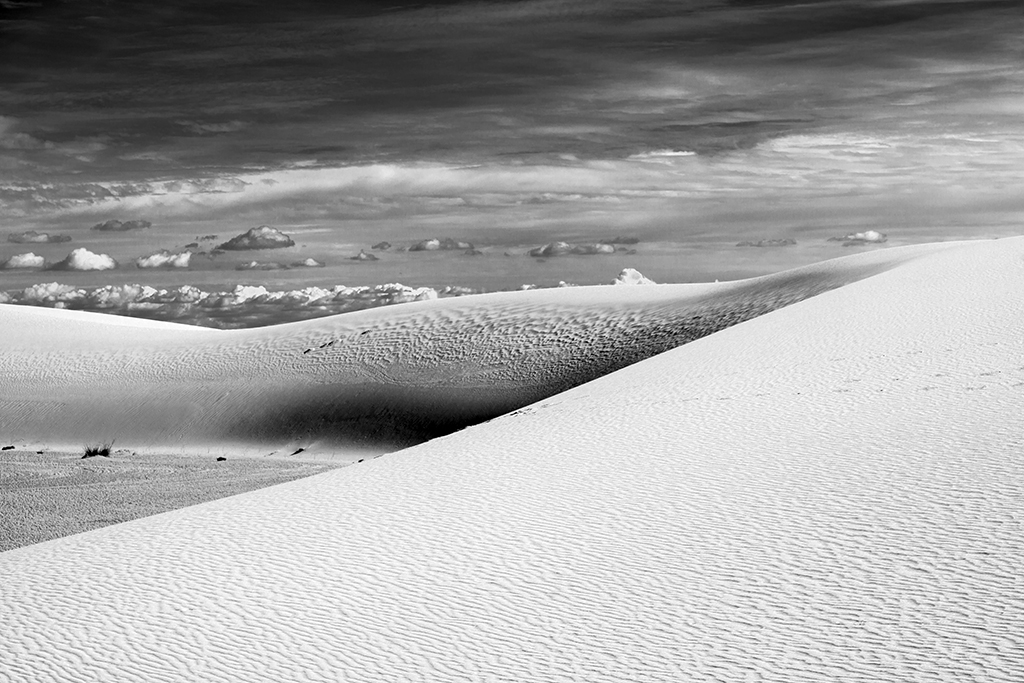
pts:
[830, 490]
[364, 382]
[48, 494]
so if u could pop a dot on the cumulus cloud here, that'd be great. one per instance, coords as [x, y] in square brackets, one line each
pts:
[83, 259]
[262, 265]
[631, 276]
[48, 294]
[263, 237]
[564, 249]
[121, 226]
[278, 265]
[164, 259]
[773, 242]
[33, 237]
[29, 260]
[242, 306]
[444, 244]
[866, 237]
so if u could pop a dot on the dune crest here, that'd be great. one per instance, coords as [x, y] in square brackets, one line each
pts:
[376, 379]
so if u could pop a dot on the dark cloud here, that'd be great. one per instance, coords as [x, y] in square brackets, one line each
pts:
[444, 79]
[553, 111]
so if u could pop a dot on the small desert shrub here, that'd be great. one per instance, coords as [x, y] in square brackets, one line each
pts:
[93, 451]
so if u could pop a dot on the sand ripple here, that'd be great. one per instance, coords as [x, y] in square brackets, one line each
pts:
[377, 379]
[720, 512]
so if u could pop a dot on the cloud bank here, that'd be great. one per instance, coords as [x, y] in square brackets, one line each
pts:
[243, 305]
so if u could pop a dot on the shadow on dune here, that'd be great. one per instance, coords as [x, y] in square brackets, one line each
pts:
[376, 380]
[568, 348]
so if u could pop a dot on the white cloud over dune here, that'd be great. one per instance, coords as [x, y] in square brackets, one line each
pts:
[241, 306]
[83, 259]
[866, 237]
[28, 260]
[632, 276]
[262, 237]
[164, 259]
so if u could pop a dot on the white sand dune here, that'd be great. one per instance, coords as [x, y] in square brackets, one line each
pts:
[373, 380]
[829, 492]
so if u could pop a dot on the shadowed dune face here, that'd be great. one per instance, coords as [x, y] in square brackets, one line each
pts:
[374, 380]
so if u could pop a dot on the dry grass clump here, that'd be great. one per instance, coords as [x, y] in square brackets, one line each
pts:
[101, 449]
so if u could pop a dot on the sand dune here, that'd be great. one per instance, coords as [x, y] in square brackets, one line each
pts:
[830, 491]
[372, 380]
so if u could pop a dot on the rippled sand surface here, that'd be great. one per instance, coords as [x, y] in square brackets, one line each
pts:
[368, 381]
[48, 495]
[828, 491]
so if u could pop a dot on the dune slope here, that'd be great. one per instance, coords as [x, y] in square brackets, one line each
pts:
[372, 380]
[830, 491]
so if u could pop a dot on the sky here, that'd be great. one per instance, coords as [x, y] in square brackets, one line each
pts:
[688, 124]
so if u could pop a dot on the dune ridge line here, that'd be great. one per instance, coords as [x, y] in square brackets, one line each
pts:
[370, 380]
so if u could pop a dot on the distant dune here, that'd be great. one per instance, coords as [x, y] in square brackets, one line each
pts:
[375, 379]
[830, 491]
